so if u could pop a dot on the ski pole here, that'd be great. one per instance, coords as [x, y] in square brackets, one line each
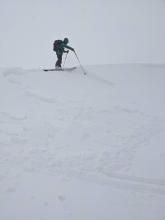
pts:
[83, 70]
[65, 59]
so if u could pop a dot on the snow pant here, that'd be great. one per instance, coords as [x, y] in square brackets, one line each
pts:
[59, 59]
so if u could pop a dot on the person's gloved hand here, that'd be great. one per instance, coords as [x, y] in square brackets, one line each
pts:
[73, 50]
[67, 51]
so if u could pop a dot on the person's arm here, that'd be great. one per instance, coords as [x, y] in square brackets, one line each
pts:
[68, 47]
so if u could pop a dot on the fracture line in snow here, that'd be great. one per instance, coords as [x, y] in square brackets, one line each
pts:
[101, 80]
[135, 184]
[11, 117]
[135, 179]
[41, 98]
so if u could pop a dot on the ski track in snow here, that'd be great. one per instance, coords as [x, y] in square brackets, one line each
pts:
[41, 98]
[100, 79]
[100, 144]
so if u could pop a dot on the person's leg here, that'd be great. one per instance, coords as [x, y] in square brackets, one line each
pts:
[57, 63]
[59, 60]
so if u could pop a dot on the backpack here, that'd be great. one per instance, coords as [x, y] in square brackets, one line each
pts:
[57, 44]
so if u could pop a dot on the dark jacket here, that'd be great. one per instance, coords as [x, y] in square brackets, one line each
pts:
[62, 47]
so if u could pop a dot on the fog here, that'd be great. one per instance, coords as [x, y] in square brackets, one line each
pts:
[102, 32]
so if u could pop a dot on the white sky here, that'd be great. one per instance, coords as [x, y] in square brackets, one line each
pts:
[106, 31]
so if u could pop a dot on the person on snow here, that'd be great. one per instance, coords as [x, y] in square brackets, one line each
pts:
[59, 47]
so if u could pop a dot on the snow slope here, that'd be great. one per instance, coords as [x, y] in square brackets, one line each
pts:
[75, 147]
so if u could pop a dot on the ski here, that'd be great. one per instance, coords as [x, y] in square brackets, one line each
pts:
[61, 69]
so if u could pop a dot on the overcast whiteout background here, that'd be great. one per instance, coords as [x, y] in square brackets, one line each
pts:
[102, 32]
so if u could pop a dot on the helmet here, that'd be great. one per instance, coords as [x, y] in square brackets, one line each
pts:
[66, 40]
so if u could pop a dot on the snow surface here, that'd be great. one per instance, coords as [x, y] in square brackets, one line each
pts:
[75, 147]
